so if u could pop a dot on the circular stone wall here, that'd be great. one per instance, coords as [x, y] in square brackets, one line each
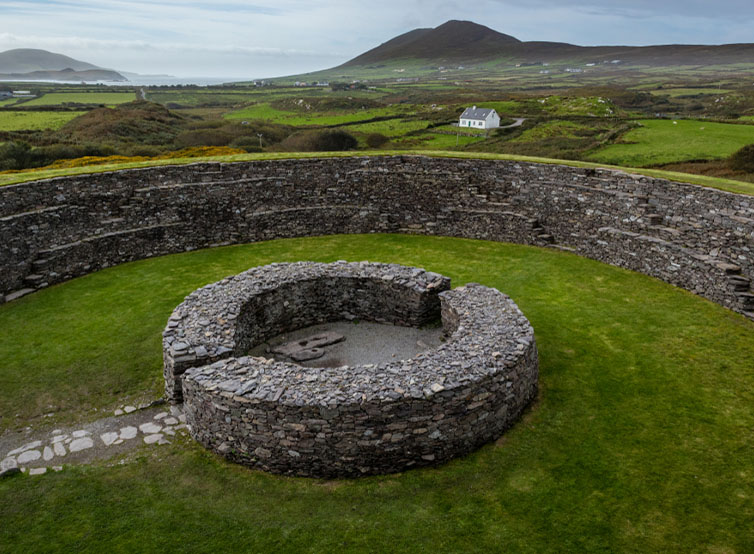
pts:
[697, 238]
[350, 420]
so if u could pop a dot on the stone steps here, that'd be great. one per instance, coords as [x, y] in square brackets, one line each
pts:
[17, 294]
[740, 285]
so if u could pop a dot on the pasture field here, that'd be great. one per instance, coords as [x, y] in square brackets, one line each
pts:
[389, 128]
[589, 106]
[687, 91]
[511, 107]
[20, 121]
[264, 111]
[197, 98]
[639, 440]
[437, 141]
[662, 141]
[238, 95]
[551, 129]
[106, 98]
[8, 102]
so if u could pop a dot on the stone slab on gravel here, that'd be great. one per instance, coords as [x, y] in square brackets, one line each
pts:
[81, 444]
[29, 456]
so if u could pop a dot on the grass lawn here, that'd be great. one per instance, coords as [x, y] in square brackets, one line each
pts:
[107, 98]
[663, 141]
[640, 440]
[19, 121]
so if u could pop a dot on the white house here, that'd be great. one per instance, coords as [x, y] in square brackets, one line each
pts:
[479, 118]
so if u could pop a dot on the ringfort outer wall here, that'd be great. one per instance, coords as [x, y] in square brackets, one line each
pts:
[697, 238]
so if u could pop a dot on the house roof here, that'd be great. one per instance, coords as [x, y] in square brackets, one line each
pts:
[476, 113]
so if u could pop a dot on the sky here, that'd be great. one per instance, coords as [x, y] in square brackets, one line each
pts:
[268, 38]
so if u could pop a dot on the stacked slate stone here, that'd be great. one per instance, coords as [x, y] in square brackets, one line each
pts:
[362, 419]
[694, 237]
[230, 317]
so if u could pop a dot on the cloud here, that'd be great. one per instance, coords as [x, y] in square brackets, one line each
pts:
[269, 37]
[648, 8]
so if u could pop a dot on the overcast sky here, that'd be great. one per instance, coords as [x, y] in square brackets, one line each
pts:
[267, 38]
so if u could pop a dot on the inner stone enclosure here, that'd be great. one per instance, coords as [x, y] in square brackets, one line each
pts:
[351, 420]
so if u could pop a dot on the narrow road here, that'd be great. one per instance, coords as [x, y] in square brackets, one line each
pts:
[517, 123]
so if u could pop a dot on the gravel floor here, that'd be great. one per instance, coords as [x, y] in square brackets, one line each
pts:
[365, 343]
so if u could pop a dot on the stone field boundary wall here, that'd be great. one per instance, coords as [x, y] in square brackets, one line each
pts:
[352, 420]
[697, 238]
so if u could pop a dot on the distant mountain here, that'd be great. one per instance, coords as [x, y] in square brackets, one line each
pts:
[471, 43]
[40, 65]
[454, 40]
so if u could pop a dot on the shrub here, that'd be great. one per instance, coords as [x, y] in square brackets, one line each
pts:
[375, 140]
[743, 160]
[248, 143]
[14, 155]
[331, 141]
[203, 137]
[323, 141]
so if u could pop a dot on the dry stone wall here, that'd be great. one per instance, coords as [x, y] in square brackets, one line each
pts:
[355, 420]
[697, 238]
[232, 316]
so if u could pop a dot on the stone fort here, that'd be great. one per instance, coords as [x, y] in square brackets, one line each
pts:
[696, 238]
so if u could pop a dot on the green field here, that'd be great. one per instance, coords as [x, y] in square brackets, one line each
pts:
[640, 439]
[589, 106]
[266, 112]
[674, 92]
[661, 141]
[106, 98]
[389, 128]
[19, 121]
[437, 141]
[8, 101]
[551, 129]
[198, 97]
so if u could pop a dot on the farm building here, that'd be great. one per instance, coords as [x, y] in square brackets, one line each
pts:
[481, 118]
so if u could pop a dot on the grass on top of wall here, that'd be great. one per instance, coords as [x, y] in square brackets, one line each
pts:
[640, 439]
[741, 187]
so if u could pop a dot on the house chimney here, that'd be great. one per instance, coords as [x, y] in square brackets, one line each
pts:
[473, 108]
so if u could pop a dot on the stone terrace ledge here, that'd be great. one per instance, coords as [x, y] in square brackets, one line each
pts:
[358, 420]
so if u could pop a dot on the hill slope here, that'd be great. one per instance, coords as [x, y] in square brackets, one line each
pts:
[26, 60]
[454, 40]
[468, 43]
[139, 121]
[41, 65]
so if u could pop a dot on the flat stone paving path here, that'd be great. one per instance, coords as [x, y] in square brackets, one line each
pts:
[36, 452]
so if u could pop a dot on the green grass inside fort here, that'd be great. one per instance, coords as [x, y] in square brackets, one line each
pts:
[640, 440]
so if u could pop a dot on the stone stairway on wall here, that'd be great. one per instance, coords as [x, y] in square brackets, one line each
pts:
[740, 286]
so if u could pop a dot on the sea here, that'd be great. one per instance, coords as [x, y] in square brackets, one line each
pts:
[148, 80]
